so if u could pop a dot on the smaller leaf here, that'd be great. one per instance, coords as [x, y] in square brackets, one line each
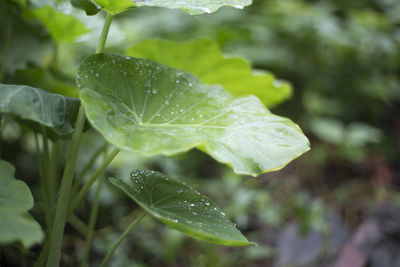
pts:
[62, 28]
[181, 207]
[87, 5]
[15, 200]
[39, 107]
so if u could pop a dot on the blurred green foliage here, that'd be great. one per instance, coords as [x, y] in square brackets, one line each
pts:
[342, 58]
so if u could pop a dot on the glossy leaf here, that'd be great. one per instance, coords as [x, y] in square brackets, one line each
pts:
[87, 5]
[15, 200]
[38, 107]
[62, 28]
[142, 106]
[181, 207]
[203, 58]
[193, 7]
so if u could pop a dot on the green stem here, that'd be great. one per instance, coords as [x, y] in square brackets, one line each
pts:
[46, 164]
[43, 184]
[53, 174]
[64, 195]
[104, 33]
[77, 223]
[85, 170]
[121, 238]
[91, 180]
[92, 222]
[43, 255]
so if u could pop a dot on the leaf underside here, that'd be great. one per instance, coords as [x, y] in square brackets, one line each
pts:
[203, 58]
[39, 107]
[15, 200]
[181, 207]
[193, 7]
[87, 5]
[142, 106]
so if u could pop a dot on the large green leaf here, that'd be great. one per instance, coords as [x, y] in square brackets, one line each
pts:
[39, 107]
[87, 5]
[62, 28]
[181, 207]
[15, 200]
[193, 7]
[142, 106]
[203, 58]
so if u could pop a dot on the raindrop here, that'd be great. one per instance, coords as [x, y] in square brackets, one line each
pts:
[238, 6]
[277, 83]
[206, 9]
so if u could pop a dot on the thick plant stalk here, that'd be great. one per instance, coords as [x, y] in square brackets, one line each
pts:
[63, 199]
[104, 33]
[53, 174]
[46, 168]
[66, 183]
[43, 184]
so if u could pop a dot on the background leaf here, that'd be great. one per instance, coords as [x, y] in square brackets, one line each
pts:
[181, 207]
[87, 5]
[45, 79]
[203, 58]
[15, 200]
[63, 28]
[142, 106]
[193, 7]
[56, 112]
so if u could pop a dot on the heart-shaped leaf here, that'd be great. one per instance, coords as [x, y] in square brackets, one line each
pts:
[62, 28]
[87, 5]
[193, 7]
[142, 106]
[38, 107]
[15, 200]
[203, 58]
[181, 207]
